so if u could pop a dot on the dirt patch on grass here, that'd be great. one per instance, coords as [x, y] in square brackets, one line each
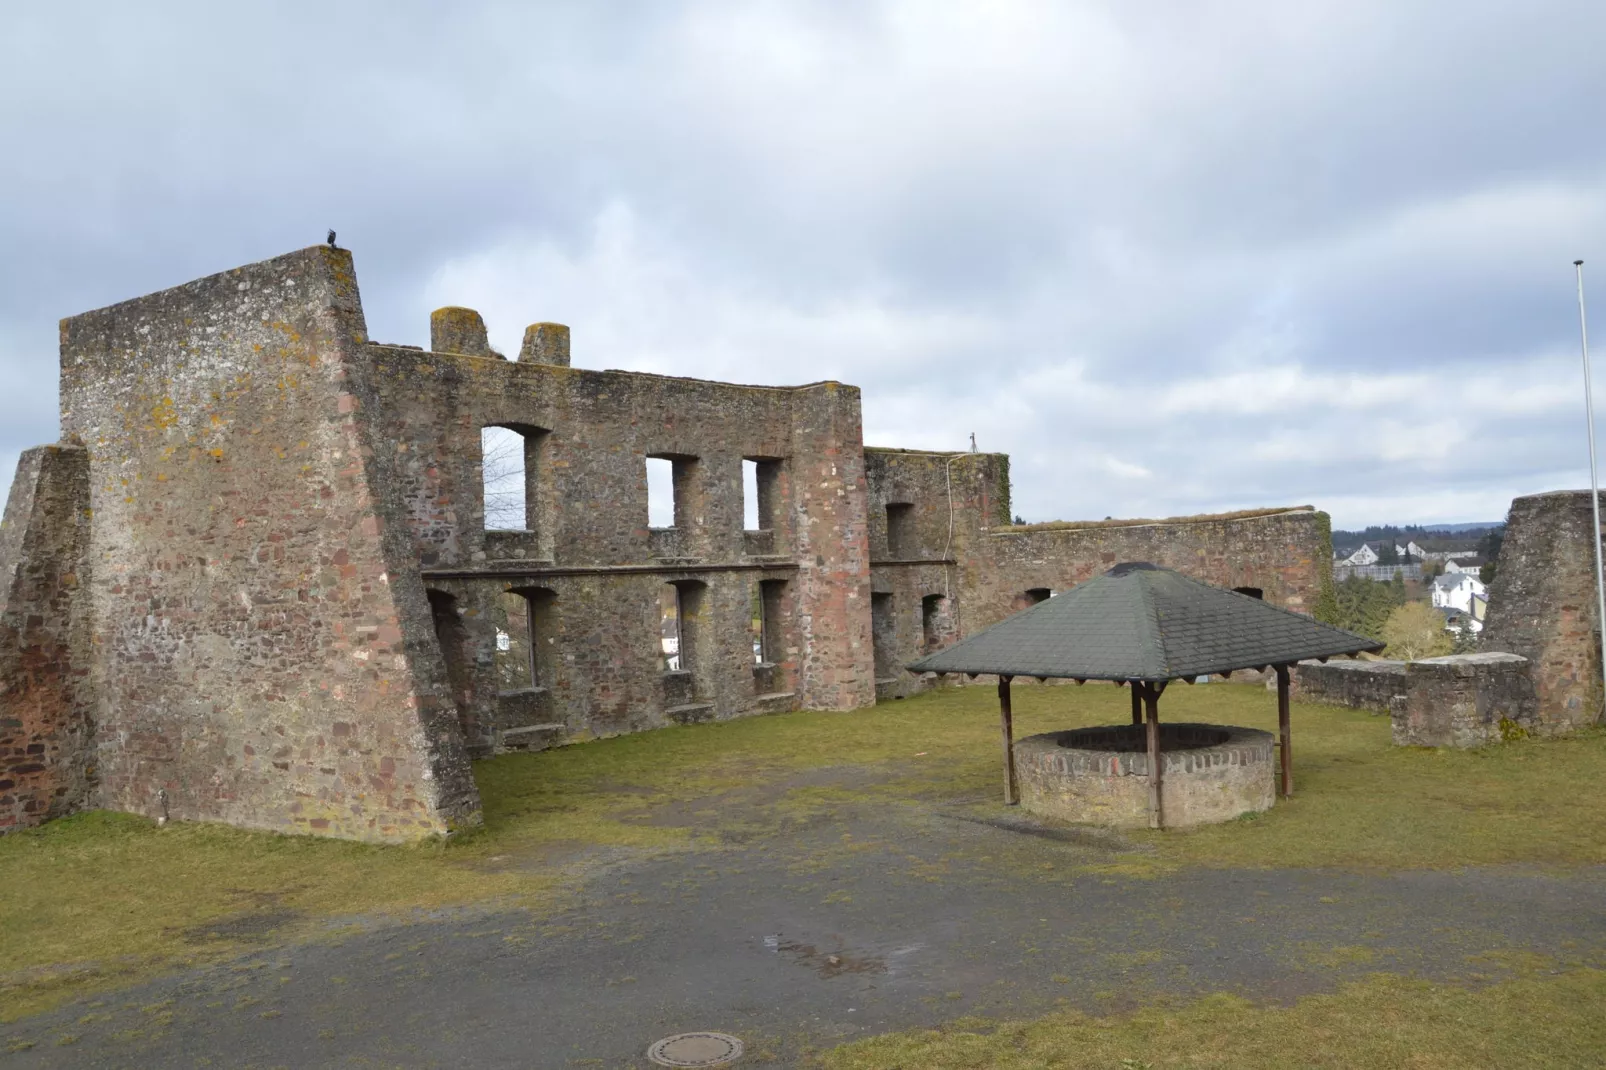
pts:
[250, 927]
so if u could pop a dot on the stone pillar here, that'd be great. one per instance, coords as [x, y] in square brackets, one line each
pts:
[46, 701]
[1542, 605]
[545, 343]
[831, 543]
[458, 330]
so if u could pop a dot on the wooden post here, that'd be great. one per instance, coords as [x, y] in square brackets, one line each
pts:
[1006, 716]
[1284, 732]
[1151, 699]
[1137, 702]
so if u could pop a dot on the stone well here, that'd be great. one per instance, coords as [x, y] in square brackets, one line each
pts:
[1100, 775]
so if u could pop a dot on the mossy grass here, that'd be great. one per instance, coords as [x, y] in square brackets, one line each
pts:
[1383, 1022]
[101, 897]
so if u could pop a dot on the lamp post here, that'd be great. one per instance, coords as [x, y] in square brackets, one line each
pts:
[1594, 481]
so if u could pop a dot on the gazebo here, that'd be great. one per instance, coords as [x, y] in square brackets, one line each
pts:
[1144, 626]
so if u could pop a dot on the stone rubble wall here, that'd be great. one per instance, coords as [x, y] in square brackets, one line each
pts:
[264, 652]
[1460, 700]
[587, 541]
[46, 721]
[979, 568]
[1360, 684]
[289, 606]
[1542, 606]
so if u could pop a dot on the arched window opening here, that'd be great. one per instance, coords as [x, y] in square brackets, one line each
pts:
[510, 471]
[1031, 597]
[525, 641]
[453, 638]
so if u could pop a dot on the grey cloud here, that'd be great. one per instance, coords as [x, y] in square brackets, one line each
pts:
[947, 204]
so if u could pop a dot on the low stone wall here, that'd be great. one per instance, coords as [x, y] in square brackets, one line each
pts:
[1361, 685]
[1466, 700]
[1099, 775]
[1463, 700]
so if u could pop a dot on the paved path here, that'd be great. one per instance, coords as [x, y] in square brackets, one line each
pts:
[855, 924]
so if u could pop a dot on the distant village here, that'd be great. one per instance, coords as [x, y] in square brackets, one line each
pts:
[1381, 568]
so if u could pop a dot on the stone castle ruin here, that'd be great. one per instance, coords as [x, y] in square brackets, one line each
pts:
[255, 582]
[1538, 672]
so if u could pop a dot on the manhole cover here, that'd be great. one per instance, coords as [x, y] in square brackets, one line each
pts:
[695, 1049]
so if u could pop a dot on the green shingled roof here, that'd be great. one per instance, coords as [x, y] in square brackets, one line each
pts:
[1142, 622]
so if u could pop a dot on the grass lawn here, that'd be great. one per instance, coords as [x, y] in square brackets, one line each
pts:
[1383, 1022]
[102, 898]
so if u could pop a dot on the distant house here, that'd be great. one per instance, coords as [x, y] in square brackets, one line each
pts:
[1466, 620]
[1369, 554]
[1363, 556]
[1456, 590]
[1466, 563]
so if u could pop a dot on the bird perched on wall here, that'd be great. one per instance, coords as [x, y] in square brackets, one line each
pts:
[331, 237]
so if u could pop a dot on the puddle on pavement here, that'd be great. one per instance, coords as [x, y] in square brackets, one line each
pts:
[828, 963]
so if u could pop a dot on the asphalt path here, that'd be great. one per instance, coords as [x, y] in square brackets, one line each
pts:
[856, 922]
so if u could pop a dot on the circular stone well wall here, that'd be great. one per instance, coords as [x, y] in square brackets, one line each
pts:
[1100, 775]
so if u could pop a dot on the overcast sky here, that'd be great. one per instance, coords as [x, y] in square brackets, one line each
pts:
[1171, 257]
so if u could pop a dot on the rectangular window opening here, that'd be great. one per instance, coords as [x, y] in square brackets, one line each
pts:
[932, 610]
[660, 492]
[669, 628]
[674, 492]
[761, 493]
[769, 642]
[900, 531]
[681, 609]
[506, 488]
[750, 511]
[883, 636]
[515, 654]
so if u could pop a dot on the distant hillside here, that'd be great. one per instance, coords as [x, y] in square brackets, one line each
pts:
[1429, 537]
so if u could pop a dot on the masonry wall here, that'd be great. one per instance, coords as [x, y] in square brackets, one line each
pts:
[264, 651]
[1542, 605]
[1360, 685]
[46, 723]
[588, 548]
[266, 593]
[981, 569]
[929, 513]
[1460, 700]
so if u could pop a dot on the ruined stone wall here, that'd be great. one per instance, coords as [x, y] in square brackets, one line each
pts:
[1460, 700]
[980, 569]
[588, 548]
[1465, 700]
[295, 617]
[1542, 605]
[46, 724]
[264, 652]
[928, 514]
[1360, 685]
[1284, 554]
